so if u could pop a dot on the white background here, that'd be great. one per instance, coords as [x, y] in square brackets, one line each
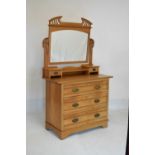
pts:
[13, 69]
[109, 30]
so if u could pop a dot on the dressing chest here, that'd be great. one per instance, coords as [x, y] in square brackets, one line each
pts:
[76, 94]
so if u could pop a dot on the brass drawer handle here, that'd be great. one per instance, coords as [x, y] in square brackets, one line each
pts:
[75, 105]
[97, 100]
[74, 90]
[75, 120]
[97, 87]
[97, 115]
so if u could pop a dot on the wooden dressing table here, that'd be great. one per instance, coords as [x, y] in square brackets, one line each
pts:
[76, 94]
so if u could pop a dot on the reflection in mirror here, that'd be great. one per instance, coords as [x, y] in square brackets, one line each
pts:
[68, 45]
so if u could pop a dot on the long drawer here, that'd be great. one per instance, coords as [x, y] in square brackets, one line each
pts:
[73, 104]
[85, 96]
[81, 88]
[84, 118]
[79, 111]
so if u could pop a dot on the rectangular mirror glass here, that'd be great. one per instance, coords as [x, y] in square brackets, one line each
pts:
[68, 46]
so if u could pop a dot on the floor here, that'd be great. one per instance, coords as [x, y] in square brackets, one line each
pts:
[98, 141]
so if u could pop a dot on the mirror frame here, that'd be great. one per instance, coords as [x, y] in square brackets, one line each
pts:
[55, 24]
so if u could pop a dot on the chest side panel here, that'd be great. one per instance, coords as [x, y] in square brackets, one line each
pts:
[53, 104]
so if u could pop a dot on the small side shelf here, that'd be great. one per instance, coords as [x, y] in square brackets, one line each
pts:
[59, 72]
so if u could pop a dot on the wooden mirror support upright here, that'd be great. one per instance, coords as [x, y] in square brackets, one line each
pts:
[76, 96]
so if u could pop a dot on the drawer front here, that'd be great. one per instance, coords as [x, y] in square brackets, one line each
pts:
[84, 110]
[73, 104]
[55, 73]
[76, 89]
[92, 95]
[93, 69]
[87, 117]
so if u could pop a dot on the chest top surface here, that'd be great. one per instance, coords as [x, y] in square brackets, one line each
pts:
[79, 79]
